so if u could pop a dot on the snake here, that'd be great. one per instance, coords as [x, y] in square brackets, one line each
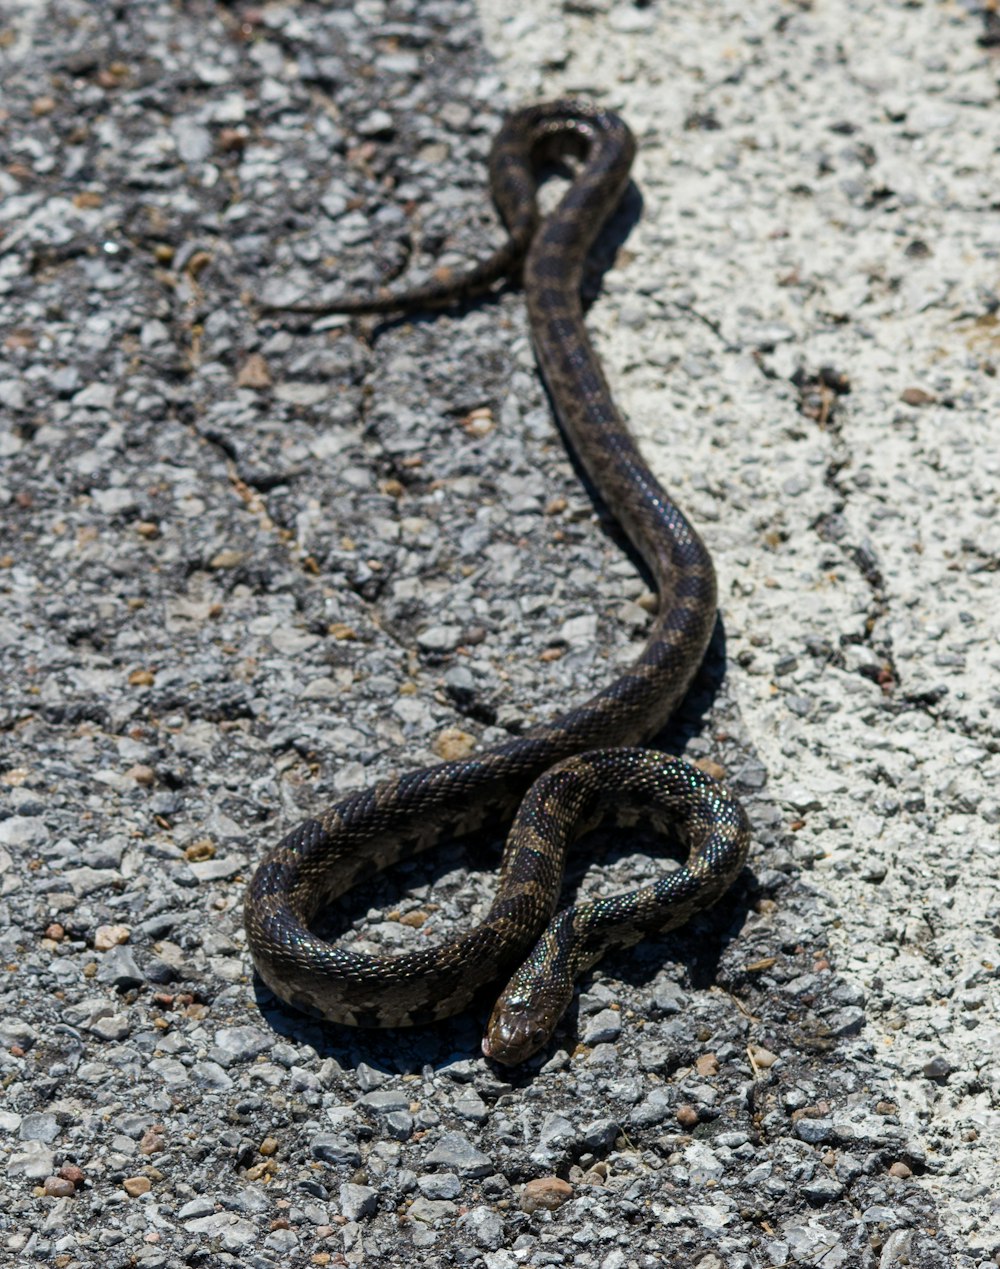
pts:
[554, 781]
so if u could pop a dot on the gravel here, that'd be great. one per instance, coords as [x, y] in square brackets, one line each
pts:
[248, 567]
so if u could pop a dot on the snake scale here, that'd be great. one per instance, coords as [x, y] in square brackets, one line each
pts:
[562, 773]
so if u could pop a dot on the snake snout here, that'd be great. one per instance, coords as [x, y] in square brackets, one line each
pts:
[516, 1033]
[523, 1022]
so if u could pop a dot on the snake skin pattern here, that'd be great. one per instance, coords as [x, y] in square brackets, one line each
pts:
[369, 830]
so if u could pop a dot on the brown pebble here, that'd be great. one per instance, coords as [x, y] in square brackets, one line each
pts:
[108, 936]
[453, 743]
[710, 768]
[199, 851]
[141, 774]
[198, 263]
[71, 1172]
[340, 630]
[885, 1108]
[761, 1057]
[43, 106]
[478, 423]
[545, 1193]
[58, 1187]
[141, 678]
[253, 373]
[268, 1146]
[552, 654]
[901, 1170]
[556, 505]
[152, 1140]
[414, 919]
[917, 396]
[226, 558]
[231, 140]
[55, 932]
[137, 1185]
[687, 1116]
[707, 1064]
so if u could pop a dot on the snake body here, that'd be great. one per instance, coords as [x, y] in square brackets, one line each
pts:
[371, 829]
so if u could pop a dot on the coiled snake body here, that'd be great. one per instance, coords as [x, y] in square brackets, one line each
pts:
[323, 857]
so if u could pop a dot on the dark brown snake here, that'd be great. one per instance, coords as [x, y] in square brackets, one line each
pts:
[565, 786]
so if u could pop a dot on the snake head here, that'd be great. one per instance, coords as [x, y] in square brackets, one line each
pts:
[517, 1031]
[527, 1012]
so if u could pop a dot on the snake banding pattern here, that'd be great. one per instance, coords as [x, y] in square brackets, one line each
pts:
[561, 774]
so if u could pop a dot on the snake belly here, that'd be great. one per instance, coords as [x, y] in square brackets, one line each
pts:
[410, 812]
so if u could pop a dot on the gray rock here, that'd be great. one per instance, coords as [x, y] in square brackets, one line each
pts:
[39, 1126]
[603, 1027]
[471, 1106]
[440, 1185]
[201, 1206]
[703, 1164]
[117, 966]
[600, 1135]
[440, 638]
[208, 1074]
[431, 1211]
[484, 1226]
[111, 1026]
[358, 1202]
[24, 832]
[381, 1102]
[823, 1188]
[937, 1068]
[369, 1078]
[331, 1147]
[845, 1022]
[814, 1130]
[239, 1044]
[457, 1153]
[400, 1125]
[34, 1160]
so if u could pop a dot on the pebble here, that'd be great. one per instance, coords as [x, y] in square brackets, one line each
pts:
[937, 1068]
[23, 832]
[39, 1126]
[603, 1028]
[335, 1148]
[483, 1226]
[108, 936]
[58, 1187]
[456, 1152]
[441, 1185]
[357, 1202]
[544, 1193]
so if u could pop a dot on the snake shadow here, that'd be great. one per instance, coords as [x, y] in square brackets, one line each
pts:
[692, 952]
